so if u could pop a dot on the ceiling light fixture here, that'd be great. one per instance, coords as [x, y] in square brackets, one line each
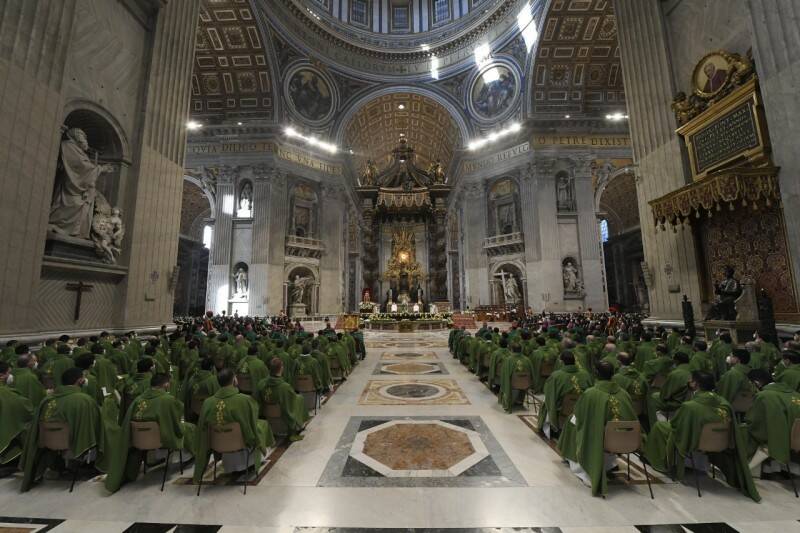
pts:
[401, 107]
[566, 116]
[192, 125]
[311, 140]
[238, 123]
[616, 117]
[514, 127]
[483, 53]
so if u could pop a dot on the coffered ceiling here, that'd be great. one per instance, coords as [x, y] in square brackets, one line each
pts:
[620, 204]
[375, 130]
[577, 69]
[231, 78]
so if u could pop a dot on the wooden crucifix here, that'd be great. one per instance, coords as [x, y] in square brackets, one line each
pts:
[79, 288]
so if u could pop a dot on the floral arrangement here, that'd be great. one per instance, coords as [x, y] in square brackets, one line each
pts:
[392, 317]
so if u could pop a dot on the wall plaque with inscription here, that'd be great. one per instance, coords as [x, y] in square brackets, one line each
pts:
[729, 133]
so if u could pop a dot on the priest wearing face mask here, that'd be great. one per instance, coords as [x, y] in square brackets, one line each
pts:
[16, 413]
[24, 378]
[736, 381]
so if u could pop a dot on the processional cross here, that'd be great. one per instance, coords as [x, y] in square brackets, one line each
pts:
[79, 288]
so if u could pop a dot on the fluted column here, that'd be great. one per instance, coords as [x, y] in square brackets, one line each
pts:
[588, 237]
[544, 274]
[475, 261]
[529, 183]
[259, 268]
[776, 49]
[649, 89]
[219, 269]
[159, 182]
[278, 220]
[331, 264]
[34, 46]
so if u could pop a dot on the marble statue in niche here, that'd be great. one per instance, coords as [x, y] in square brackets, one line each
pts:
[436, 172]
[298, 287]
[107, 230]
[571, 275]
[240, 281]
[565, 192]
[511, 291]
[75, 195]
[246, 197]
[370, 174]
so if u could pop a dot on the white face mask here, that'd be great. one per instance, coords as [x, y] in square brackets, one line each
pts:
[35, 366]
[729, 360]
[10, 380]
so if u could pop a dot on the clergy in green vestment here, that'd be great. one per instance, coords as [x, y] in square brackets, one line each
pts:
[736, 380]
[682, 434]
[581, 440]
[661, 365]
[201, 384]
[86, 362]
[139, 382]
[16, 413]
[566, 380]
[253, 367]
[55, 367]
[673, 340]
[632, 381]
[790, 373]
[154, 405]
[516, 363]
[758, 360]
[645, 351]
[496, 359]
[609, 355]
[719, 351]
[47, 351]
[26, 381]
[307, 365]
[541, 355]
[350, 344]
[701, 360]
[104, 370]
[324, 364]
[275, 390]
[227, 406]
[674, 391]
[335, 351]
[462, 346]
[70, 405]
[453, 336]
[771, 352]
[771, 417]
[118, 357]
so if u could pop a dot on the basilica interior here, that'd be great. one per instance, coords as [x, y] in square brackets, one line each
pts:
[386, 241]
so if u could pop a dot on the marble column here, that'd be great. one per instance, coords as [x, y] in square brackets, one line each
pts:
[776, 50]
[331, 264]
[219, 268]
[278, 221]
[259, 280]
[544, 275]
[476, 267]
[649, 90]
[588, 236]
[159, 183]
[34, 46]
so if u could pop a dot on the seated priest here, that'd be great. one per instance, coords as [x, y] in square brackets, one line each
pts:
[26, 381]
[632, 381]
[307, 365]
[659, 366]
[55, 366]
[769, 424]
[736, 380]
[154, 405]
[788, 371]
[227, 406]
[275, 390]
[669, 444]
[568, 382]
[140, 381]
[253, 367]
[496, 359]
[701, 360]
[516, 363]
[16, 413]
[581, 441]
[674, 391]
[719, 351]
[68, 404]
[202, 384]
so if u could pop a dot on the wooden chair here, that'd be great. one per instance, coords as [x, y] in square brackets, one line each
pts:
[625, 438]
[304, 384]
[196, 406]
[225, 438]
[337, 372]
[715, 437]
[146, 437]
[638, 404]
[743, 402]
[521, 381]
[658, 382]
[547, 368]
[54, 436]
[567, 408]
[271, 412]
[245, 383]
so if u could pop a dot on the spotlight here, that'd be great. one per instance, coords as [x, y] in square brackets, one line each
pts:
[192, 125]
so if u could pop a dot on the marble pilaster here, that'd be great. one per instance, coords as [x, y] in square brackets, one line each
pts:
[588, 237]
[278, 221]
[259, 268]
[219, 270]
[476, 267]
[332, 263]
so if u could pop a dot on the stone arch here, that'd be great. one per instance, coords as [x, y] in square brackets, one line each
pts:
[514, 267]
[311, 296]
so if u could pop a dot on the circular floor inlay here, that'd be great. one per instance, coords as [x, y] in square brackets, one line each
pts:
[409, 355]
[410, 368]
[413, 390]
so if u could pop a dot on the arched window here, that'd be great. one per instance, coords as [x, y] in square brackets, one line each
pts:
[604, 230]
[208, 231]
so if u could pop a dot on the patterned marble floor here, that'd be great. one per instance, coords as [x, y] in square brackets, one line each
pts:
[361, 466]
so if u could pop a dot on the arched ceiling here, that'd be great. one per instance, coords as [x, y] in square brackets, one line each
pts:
[231, 78]
[194, 206]
[375, 129]
[577, 70]
[620, 204]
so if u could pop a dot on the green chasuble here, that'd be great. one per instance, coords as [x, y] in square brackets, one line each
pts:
[735, 381]
[337, 351]
[202, 384]
[106, 373]
[56, 366]
[27, 383]
[68, 404]
[672, 394]
[632, 381]
[16, 413]
[155, 405]
[227, 406]
[611, 358]
[452, 337]
[565, 380]
[45, 354]
[137, 384]
[496, 359]
[770, 420]
[644, 352]
[308, 366]
[790, 376]
[582, 441]
[253, 367]
[719, 352]
[293, 406]
[538, 358]
[120, 360]
[673, 340]
[703, 362]
[324, 368]
[462, 346]
[350, 343]
[682, 433]
[514, 364]
[660, 366]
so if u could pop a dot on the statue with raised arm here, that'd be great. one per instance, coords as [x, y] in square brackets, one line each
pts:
[297, 290]
[73, 204]
[570, 274]
[240, 281]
